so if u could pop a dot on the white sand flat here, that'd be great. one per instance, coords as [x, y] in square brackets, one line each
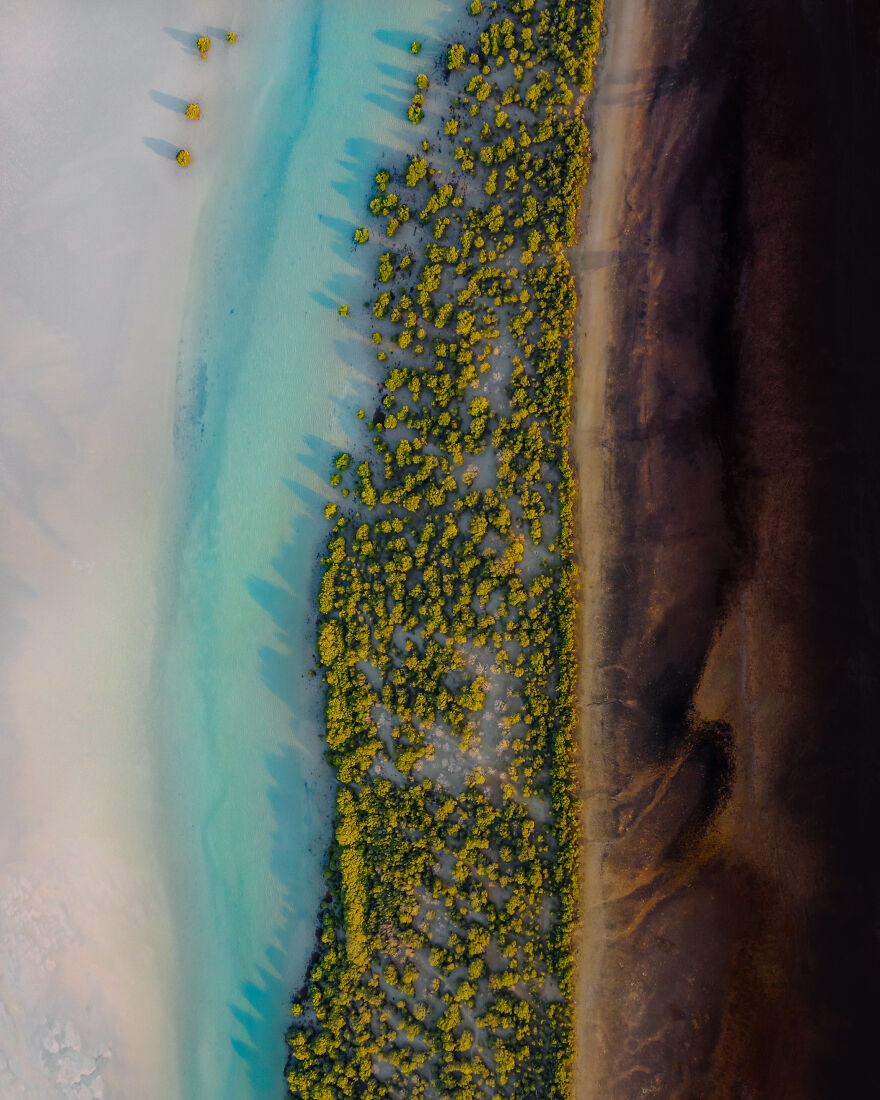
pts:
[97, 226]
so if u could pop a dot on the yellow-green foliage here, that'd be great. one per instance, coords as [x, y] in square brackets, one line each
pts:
[231, 37]
[446, 607]
[416, 170]
[386, 268]
[353, 879]
[203, 44]
[455, 56]
[193, 110]
[183, 157]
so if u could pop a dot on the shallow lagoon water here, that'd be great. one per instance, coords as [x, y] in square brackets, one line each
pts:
[269, 383]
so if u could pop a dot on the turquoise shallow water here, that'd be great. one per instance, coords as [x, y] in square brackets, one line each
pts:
[270, 379]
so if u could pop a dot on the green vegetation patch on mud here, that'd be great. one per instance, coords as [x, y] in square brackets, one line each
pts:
[445, 632]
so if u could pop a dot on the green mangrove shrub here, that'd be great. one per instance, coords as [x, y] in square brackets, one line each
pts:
[445, 632]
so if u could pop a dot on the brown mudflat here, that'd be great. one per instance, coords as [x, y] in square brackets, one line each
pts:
[728, 442]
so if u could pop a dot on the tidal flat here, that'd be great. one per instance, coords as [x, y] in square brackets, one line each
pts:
[729, 686]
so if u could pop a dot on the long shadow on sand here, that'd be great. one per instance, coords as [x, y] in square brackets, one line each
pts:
[300, 785]
[299, 789]
[162, 147]
[172, 102]
[187, 39]
[301, 804]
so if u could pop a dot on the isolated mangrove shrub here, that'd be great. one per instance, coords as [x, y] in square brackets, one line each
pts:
[231, 37]
[193, 110]
[203, 44]
[343, 310]
[386, 268]
[415, 47]
[362, 235]
[455, 57]
[183, 157]
[416, 170]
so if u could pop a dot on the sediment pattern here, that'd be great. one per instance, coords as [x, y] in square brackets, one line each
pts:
[737, 691]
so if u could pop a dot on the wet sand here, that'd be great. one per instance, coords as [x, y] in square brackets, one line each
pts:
[729, 534]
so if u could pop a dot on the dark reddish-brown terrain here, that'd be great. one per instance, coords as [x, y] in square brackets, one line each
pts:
[732, 700]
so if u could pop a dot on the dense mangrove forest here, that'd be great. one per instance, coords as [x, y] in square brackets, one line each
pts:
[446, 605]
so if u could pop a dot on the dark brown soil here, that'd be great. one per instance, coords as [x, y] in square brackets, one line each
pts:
[741, 679]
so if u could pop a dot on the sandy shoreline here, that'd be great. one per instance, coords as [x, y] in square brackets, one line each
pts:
[593, 259]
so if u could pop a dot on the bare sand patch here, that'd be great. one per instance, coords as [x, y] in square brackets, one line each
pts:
[618, 87]
[97, 226]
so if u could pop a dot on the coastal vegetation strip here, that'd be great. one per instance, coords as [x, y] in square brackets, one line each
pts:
[446, 606]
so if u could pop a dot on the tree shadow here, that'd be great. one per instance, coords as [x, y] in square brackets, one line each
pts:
[323, 300]
[359, 354]
[187, 39]
[318, 459]
[398, 40]
[404, 76]
[172, 102]
[343, 231]
[363, 158]
[392, 105]
[300, 785]
[299, 807]
[162, 147]
[434, 34]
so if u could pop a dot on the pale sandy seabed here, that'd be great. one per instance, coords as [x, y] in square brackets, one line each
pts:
[97, 226]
